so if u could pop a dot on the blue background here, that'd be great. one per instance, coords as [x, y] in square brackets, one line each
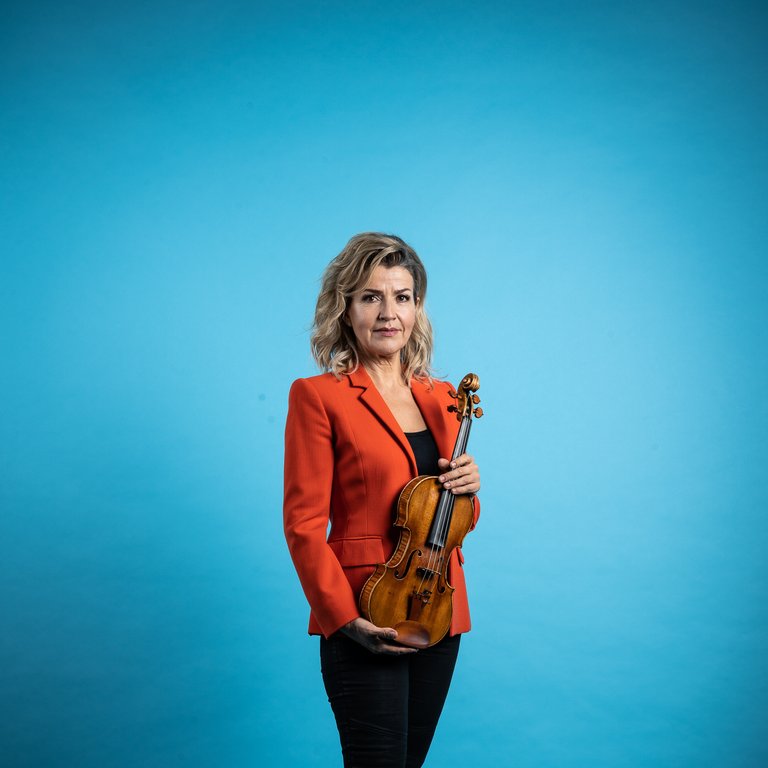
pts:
[586, 184]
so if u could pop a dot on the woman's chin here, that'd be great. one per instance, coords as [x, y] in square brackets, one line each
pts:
[382, 355]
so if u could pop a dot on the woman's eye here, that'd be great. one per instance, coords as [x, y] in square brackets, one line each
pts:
[370, 297]
[403, 297]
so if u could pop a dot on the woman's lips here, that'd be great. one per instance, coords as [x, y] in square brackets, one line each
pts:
[387, 331]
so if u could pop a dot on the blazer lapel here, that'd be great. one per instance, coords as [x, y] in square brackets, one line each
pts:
[436, 416]
[375, 403]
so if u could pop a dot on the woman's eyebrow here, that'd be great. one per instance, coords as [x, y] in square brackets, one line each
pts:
[378, 292]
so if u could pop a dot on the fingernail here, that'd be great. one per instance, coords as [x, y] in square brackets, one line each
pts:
[441, 478]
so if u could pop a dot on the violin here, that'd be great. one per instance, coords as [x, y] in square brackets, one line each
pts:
[411, 592]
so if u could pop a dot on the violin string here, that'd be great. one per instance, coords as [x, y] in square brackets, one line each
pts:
[461, 447]
[444, 511]
[436, 552]
[439, 526]
[433, 557]
[436, 557]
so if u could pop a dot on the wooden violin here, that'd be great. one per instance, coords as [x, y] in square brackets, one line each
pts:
[411, 592]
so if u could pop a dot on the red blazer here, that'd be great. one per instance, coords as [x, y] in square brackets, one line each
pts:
[346, 460]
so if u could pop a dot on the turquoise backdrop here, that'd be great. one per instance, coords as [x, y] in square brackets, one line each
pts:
[586, 183]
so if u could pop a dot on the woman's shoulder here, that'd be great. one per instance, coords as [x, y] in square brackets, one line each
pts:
[320, 384]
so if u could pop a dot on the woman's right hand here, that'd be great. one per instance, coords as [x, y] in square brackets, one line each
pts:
[375, 639]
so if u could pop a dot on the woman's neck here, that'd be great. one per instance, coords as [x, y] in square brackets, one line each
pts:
[387, 375]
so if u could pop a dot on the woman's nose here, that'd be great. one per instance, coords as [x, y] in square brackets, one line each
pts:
[387, 310]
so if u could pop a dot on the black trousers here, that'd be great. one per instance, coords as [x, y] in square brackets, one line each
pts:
[386, 707]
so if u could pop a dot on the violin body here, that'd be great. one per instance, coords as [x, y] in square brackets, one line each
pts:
[411, 592]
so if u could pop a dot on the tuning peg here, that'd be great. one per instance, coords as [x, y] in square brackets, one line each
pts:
[475, 399]
[452, 393]
[452, 409]
[478, 412]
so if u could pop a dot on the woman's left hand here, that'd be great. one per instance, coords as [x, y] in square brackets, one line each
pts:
[460, 475]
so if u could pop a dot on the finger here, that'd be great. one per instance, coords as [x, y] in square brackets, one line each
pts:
[395, 650]
[376, 638]
[465, 460]
[450, 475]
[468, 483]
[460, 475]
[372, 630]
[384, 642]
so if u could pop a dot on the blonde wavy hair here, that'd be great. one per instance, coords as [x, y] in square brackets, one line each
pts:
[333, 342]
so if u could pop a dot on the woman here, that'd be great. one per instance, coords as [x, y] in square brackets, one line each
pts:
[355, 435]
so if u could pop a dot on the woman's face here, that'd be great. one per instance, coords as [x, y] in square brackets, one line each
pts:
[383, 313]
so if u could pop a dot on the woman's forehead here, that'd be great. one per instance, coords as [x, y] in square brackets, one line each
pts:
[394, 278]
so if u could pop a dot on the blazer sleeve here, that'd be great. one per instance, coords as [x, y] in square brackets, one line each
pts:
[309, 465]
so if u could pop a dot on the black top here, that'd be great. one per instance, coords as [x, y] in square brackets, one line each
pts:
[425, 451]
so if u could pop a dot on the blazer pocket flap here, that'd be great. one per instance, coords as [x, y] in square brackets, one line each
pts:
[359, 550]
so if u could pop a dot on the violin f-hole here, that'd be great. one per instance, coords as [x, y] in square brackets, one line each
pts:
[414, 553]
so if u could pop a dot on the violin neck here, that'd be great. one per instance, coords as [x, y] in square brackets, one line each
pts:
[463, 438]
[442, 520]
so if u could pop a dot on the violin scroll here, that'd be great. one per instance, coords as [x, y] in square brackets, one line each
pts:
[466, 398]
